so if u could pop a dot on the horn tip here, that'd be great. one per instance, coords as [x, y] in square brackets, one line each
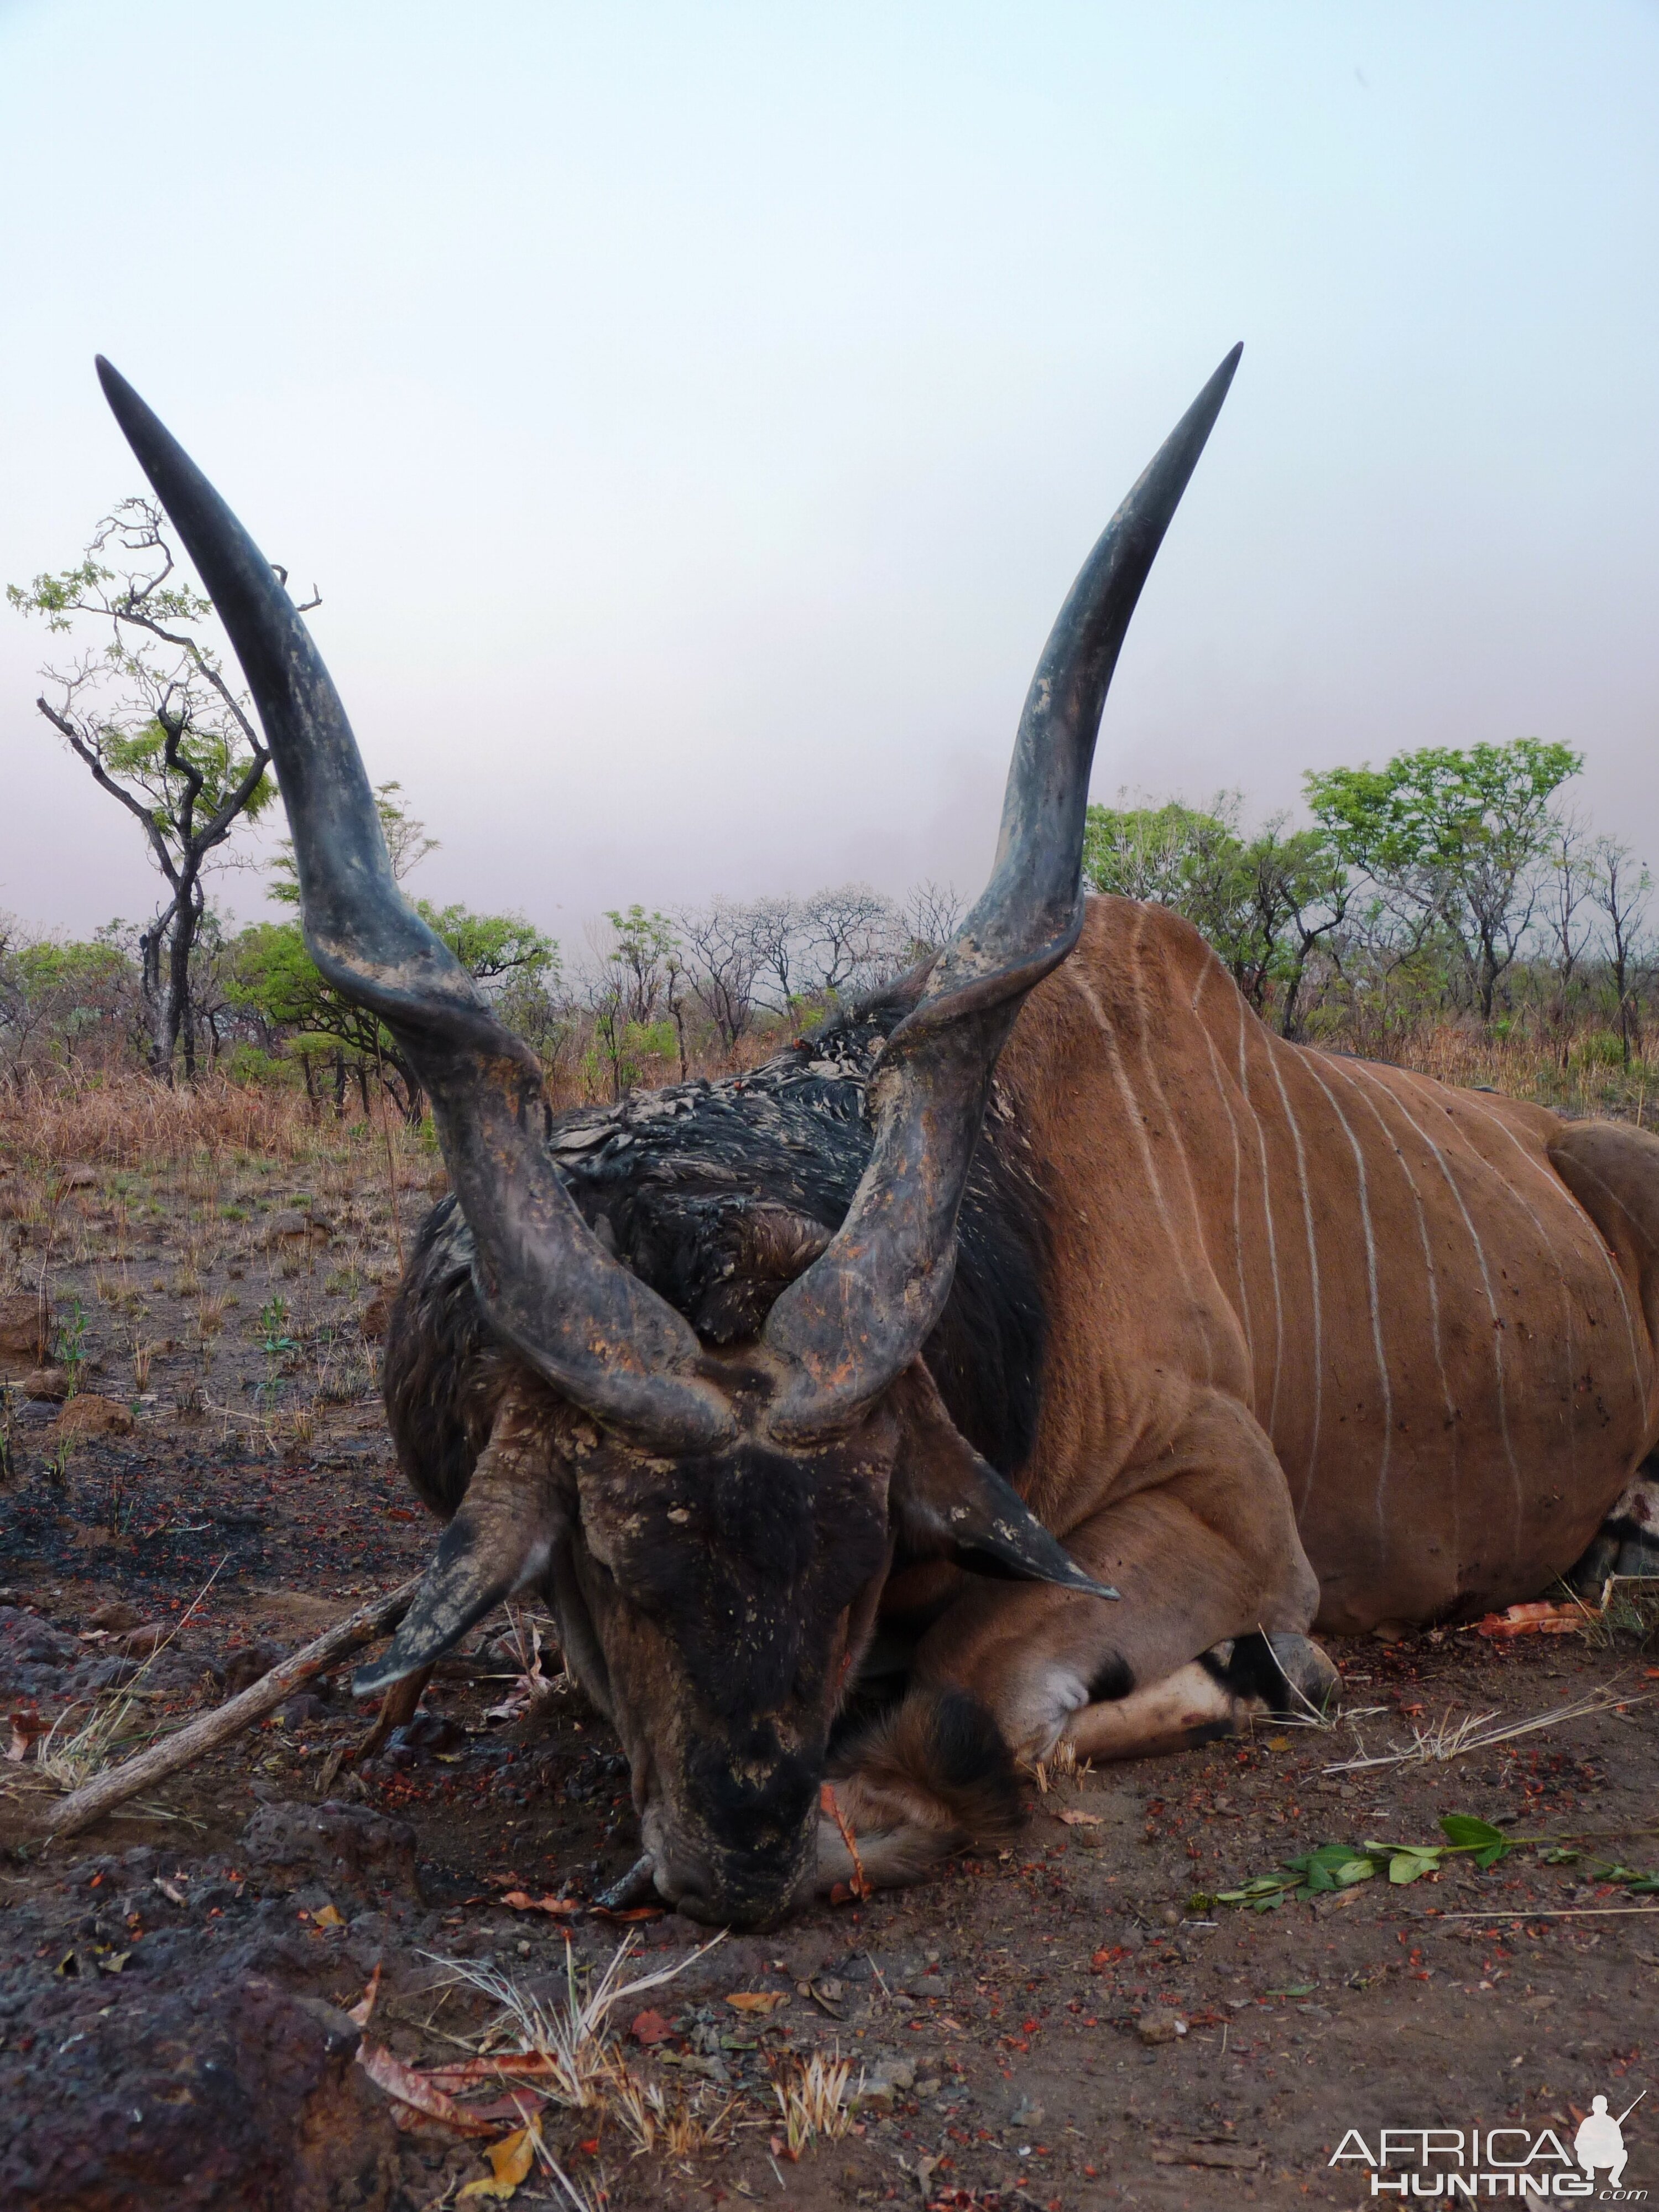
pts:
[370, 1680]
[128, 409]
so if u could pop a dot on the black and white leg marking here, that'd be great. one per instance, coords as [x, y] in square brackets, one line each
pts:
[1627, 1542]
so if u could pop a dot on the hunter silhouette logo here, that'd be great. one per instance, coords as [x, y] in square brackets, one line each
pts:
[1600, 2141]
[1462, 2164]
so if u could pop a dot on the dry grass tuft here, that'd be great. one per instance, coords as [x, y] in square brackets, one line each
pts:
[579, 2064]
[124, 1119]
[673, 2127]
[113, 1724]
[813, 2101]
[1628, 1612]
[1062, 1765]
[1447, 1739]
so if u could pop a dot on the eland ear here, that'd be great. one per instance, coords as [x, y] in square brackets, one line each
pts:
[501, 1540]
[950, 1504]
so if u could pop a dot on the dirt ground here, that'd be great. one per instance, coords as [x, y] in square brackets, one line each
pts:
[1062, 2027]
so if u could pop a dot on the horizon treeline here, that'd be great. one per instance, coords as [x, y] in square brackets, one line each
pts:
[1448, 904]
[1448, 891]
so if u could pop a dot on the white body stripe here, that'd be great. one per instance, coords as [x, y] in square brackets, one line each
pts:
[1375, 1304]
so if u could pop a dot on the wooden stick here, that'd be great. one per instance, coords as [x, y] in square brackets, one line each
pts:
[1550, 1912]
[94, 1798]
[398, 1708]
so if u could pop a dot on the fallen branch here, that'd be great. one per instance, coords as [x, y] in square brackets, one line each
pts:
[84, 1806]
[1548, 1912]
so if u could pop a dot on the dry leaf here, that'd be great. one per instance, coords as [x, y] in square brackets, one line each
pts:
[26, 1729]
[634, 1912]
[651, 2027]
[412, 2088]
[1278, 1743]
[328, 1916]
[511, 2159]
[364, 2008]
[1082, 1820]
[562, 1907]
[1537, 1619]
[756, 2000]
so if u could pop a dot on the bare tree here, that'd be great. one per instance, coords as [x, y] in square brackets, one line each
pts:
[1621, 886]
[849, 935]
[719, 941]
[157, 722]
[775, 944]
[933, 914]
[1569, 899]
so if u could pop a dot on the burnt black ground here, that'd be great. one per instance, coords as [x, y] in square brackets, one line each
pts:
[1016, 1986]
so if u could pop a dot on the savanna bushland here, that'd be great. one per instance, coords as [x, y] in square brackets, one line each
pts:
[314, 1970]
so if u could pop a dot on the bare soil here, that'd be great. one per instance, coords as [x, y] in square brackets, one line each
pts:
[173, 1985]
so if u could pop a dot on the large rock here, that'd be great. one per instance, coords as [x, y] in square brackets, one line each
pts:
[228, 2095]
[22, 1331]
[337, 1844]
[89, 1415]
[297, 1227]
[36, 1659]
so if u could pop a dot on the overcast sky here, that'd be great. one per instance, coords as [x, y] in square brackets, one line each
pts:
[693, 417]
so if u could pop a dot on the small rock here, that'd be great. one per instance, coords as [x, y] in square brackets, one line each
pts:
[424, 1737]
[901, 2073]
[52, 1382]
[141, 1642]
[249, 1663]
[927, 1985]
[117, 1615]
[293, 1226]
[930, 2088]
[305, 1706]
[1160, 2026]
[376, 1316]
[709, 2064]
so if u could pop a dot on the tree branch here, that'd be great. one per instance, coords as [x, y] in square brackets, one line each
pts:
[107, 782]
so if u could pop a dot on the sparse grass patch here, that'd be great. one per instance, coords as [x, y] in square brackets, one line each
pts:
[812, 2100]
[1628, 1614]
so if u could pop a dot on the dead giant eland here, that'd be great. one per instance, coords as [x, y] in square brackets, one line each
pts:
[853, 1383]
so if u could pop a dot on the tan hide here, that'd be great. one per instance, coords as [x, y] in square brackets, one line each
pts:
[1386, 1276]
